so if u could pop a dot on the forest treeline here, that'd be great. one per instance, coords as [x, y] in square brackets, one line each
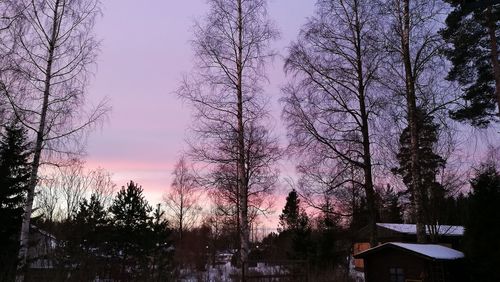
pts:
[381, 101]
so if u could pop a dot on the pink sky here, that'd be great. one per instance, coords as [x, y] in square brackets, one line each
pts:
[144, 53]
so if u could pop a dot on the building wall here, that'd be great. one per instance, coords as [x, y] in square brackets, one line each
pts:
[358, 248]
[377, 265]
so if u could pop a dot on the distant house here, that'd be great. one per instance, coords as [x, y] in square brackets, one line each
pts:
[448, 235]
[41, 249]
[407, 262]
[41, 263]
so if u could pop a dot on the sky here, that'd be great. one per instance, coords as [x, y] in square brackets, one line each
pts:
[145, 51]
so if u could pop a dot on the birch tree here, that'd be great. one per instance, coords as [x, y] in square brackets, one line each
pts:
[54, 52]
[412, 70]
[231, 47]
[182, 199]
[331, 101]
[73, 184]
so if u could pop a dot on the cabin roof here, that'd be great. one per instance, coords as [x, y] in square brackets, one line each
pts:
[443, 230]
[429, 251]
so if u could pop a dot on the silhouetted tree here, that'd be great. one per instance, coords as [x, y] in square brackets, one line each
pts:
[359, 217]
[289, 217]
[53, 51]
[14, 176]
[326, 234]
[131, 222]
[329, 106]
[232, 48]
[482, 228]
[89, 235]
[182, 199]
[454, 210]
[429, 164]
[295, 228]
[389, 207]
[412, 70]
[161, 246]
[472, 35]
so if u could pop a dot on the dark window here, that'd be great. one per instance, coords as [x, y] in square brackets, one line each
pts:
[397, 274]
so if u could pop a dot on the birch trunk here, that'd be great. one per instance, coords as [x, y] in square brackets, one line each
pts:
[243, 188]
[412, 122]
[25, 227]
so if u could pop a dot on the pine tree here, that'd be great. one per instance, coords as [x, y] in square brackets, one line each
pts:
[472, 34]
[14, 174]
[482, 228]
[131, 230]
[429, 164]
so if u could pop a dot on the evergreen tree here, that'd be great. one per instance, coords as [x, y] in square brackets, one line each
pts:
[429, 164]
[482, 228]
[14, 174]
[92, 213]
[161, 246]
[131, 230]
[327, 233]
[295, 228]
[389, 208]
[87, 242]
[472, 35]
[359, 217]
[289, 218]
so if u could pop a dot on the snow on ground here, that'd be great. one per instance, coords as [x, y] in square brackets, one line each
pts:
[223, 272]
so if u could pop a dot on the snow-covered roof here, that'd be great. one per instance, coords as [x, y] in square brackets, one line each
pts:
[447, 230]
[432, 251]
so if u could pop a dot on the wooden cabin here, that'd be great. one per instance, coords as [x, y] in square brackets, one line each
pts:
[448, 235]
[407, 262]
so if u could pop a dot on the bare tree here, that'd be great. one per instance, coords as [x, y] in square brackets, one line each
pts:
[102, 186]
[8, 15]
[182, 199]
[73, 184]
[50, 63]
[332, 100]
[48, 199]
[231, 47]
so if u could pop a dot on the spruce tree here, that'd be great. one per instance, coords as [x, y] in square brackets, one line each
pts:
[482, 228]
[296, 227]
[14, 174]
[390, 210]
[472, 34]
[161, 246]
[289, 218]
[91, 222]
[131, 230]
[88, 237]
